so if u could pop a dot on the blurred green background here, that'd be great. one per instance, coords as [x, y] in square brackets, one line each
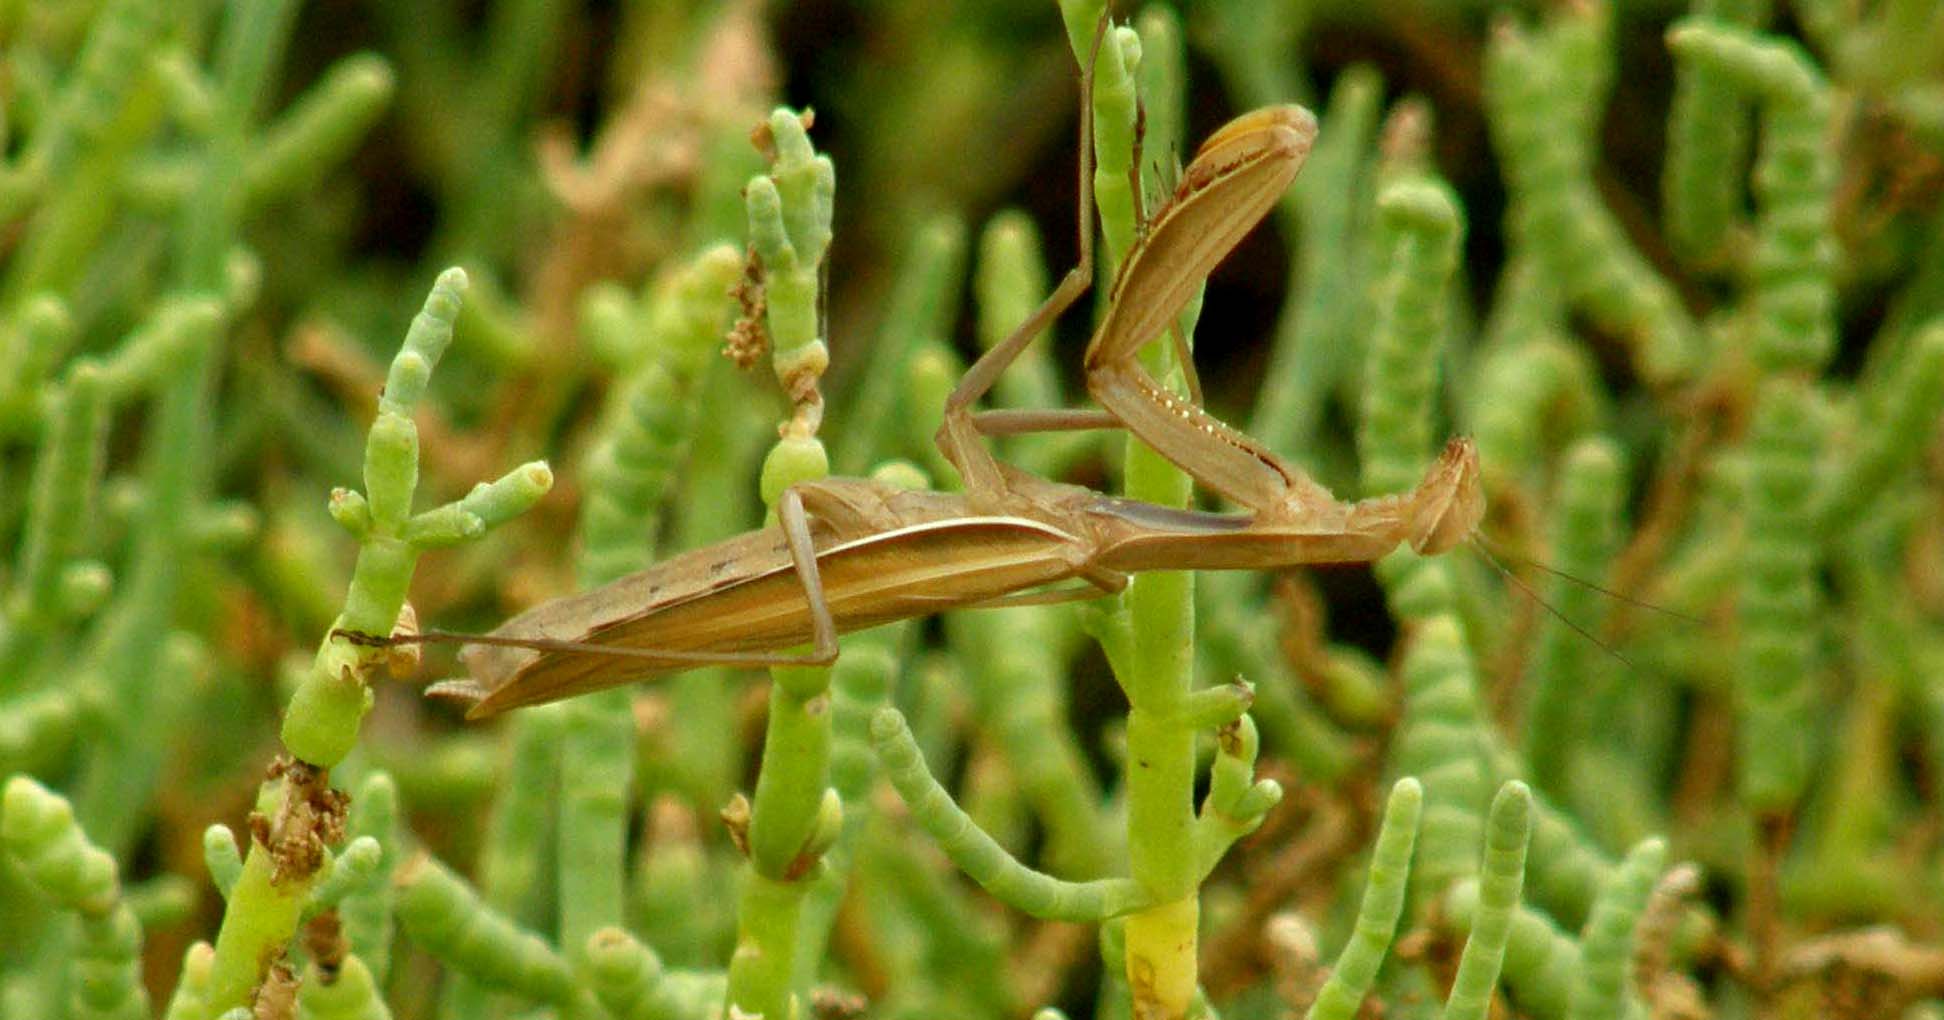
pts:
[1692, 319]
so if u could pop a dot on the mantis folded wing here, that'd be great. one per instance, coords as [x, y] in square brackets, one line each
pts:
[845, 554]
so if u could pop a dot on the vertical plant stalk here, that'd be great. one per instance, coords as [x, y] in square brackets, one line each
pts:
[66, 474]
[1158, 678]
[1791, 279]
[443, 915]
[1607, 942]
[1423, 226]
[794, 816]
[1707, 145]
[78, 157]
[1533, 86]
[591, 828]
[513, 850]
[1542, 962]
[1437, 742]
[366, 912]
[1341, 997]
[1502, 877]
[1568, 674]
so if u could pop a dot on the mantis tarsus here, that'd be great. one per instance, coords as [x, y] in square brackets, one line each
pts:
[851, 553]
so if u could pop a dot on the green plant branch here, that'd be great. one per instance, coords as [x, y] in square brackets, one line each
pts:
[980, 856]
[322, 720]
[794, 816]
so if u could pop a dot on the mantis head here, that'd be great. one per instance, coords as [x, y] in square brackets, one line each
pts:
[1449, 503]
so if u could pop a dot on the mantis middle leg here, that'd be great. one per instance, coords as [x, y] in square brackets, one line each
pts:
[959, 435]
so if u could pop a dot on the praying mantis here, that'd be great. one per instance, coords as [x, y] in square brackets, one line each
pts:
[847, 554]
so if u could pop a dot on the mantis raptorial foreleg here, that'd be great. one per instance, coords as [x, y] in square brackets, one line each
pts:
[1233, 181]
[1184, 355]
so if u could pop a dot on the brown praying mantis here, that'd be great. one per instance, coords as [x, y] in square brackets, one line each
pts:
[851, 553]
[847, 554]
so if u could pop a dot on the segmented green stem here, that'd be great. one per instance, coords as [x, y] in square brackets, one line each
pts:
[644, 441]
[1607, 941]
[105, 976]
[77, 157]
[1541, 961]
[794, 816]
[39, 833]
[1529, 92]
[249, 49]
[1707, 145]
[860, 684]
[513, 850]
[651, 416]
[1317, 337]
[1343, 993]
[192, 984]
[321, 724]
[1437, 742]
[446, 918]
[319, 128]
[978, 854]
[1779, 598]
[1792, 280]
[1507, 831]
[676, 883]
[1792, 268]
[352, 870]
[1237, 802]
[367, 911]
[1568, 672]
[789, 226]
[1564, 869]
[66, 473]
[222, 857]
[1424, 227]
[1159, 678]
[1232, 642]
[629, 981]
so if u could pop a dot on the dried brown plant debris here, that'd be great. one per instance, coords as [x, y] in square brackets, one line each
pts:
[310, 820]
